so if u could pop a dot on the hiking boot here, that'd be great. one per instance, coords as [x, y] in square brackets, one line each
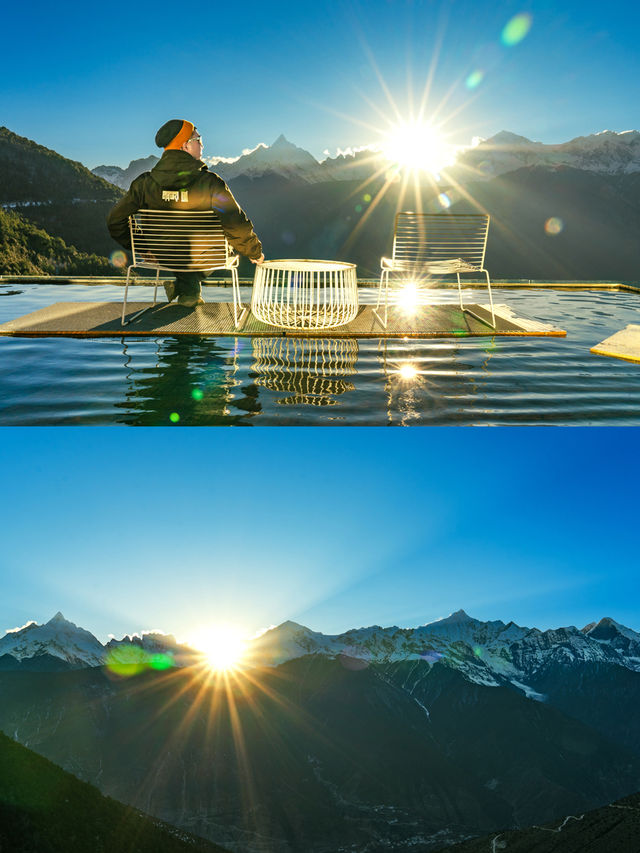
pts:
[190, 300]
[170, 290]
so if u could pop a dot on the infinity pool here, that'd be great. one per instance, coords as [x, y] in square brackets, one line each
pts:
[181, 381]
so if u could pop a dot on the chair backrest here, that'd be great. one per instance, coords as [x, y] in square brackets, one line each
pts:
[422, 238]
[178, 240]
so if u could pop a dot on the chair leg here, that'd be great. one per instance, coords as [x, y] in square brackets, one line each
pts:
[460, 291]
[237, 304]
[126, 290]
[493, 316]
[155, 289]
[143, 310]
[472, 313]
[384, 281]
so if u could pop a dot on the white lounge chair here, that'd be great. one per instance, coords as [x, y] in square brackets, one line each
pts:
[181, 241]
[428, 245]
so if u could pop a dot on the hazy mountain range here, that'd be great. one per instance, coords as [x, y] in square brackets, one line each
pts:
[374, 739]
[559, 212]
[489, 653]
[607, 152]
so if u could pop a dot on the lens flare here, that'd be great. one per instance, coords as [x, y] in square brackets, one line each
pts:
[127, 661]
[118, 259]
[197, 393]
[174, 417]
[474, 79]
[407, 299]
[553, 226]
[444, 200]
[160, 661]
[516, 29]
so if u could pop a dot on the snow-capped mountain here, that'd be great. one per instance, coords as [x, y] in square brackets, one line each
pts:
[58, 638]
[489, 653]
[123, 177]
[61, 639]
[133, 649]
[282, 158]
[607, 152]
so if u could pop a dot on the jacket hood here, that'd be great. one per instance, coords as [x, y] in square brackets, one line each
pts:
[177, 170]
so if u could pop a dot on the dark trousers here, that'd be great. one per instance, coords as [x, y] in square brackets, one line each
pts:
[188, 283]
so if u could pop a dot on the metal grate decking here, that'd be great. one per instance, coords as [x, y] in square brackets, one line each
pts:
[98, 319]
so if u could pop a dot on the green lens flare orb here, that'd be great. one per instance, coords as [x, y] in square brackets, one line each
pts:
[516, 29]
[474, 79]
[174, 417]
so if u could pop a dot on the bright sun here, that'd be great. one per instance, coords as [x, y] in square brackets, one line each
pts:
[221, 645]
[417, 146]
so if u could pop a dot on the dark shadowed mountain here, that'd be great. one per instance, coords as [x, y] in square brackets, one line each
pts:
[599, 220]
[45, 810]
[320, 754]
[26, 249]
[612, 829]
[57, 195]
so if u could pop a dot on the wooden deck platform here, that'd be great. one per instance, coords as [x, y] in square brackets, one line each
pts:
[98, 319]
[624, 344]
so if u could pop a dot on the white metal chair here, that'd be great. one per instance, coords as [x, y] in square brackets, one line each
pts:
[434, 244]
[181, 241]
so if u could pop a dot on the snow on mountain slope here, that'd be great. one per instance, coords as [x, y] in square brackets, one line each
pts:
[282, 157]
[489, 653]
[608, 632]
[57, 637]
[607, 152]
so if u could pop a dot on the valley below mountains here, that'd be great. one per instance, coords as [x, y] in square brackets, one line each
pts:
[375, 739]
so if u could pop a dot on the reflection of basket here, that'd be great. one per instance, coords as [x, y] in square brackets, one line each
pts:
[310, 369]
[301, 294]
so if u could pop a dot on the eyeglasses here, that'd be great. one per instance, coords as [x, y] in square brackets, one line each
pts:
[197, 139]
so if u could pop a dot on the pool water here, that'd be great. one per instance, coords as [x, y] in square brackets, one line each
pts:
[178, 381]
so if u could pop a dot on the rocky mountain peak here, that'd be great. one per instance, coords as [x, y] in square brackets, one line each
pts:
[455, 618]
[505, 137]
[56, 619]
[282, 142]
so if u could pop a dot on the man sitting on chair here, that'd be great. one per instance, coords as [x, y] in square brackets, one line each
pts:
[181, 181]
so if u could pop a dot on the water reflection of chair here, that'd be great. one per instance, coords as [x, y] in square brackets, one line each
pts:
[181, 241]
[432, 245]
[311, 370]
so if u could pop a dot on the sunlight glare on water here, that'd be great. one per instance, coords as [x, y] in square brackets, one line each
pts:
[190, 381]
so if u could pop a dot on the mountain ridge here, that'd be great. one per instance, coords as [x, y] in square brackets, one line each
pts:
[606, 152]
[492, 653]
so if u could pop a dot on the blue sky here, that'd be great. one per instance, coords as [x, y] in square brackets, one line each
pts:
[94, 82]
[129, 530]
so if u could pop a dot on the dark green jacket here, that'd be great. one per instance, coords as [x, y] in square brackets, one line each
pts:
[180, 182]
